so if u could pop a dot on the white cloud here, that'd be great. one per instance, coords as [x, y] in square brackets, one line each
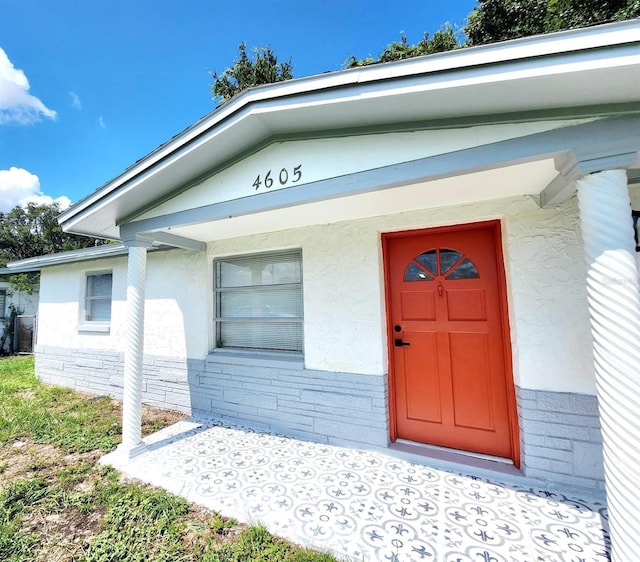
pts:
[101, 122]
[19, 187]
[75, 101]
[17, 105]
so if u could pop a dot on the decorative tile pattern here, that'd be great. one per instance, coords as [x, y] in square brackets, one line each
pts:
[368, 506]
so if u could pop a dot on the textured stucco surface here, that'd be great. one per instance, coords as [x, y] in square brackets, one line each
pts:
[343, 288]
[176, 309]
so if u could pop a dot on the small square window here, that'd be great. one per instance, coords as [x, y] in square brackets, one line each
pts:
[97, 299]
[258, 301]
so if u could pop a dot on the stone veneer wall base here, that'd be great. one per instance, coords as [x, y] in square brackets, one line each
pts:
[560, 432]
[327, 407]
[560, 437]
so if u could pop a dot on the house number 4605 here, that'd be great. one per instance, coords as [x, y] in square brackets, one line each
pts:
[284, 177]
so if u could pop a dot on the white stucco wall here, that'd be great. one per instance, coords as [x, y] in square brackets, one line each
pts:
[344, 308]
[61, 292]
[176, 308]
[344, 327]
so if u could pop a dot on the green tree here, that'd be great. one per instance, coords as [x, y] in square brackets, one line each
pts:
[34, 230]
[443, 40]
[499, 20]
[246, 72]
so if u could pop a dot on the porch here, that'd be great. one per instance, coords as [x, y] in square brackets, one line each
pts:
[368, 505]
[509, 133]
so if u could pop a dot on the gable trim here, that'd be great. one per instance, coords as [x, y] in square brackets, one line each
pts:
[256, 114]
[577, 113]
[615, 135]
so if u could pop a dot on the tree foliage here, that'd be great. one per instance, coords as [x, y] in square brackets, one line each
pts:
[499, 20]
[443, 40]
[488, 22]
[34, 230]
[246, 72]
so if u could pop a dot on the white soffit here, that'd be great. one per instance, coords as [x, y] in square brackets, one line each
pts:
[521, 86]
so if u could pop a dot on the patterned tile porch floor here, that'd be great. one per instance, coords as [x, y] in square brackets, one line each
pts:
[367, 506]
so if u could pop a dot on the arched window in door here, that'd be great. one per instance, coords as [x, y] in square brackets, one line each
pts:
[440, 262]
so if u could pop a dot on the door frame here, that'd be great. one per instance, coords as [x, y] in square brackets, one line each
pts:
[496, 226]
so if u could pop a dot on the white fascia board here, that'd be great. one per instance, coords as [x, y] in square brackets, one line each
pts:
[10, 271]
[478, 62]
[563, 42]
[457, 82]
[205, 133]
[608, 35]
[38, 262]
[84, 254]
[153, 165]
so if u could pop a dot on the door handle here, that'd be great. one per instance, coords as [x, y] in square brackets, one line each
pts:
[399, 343]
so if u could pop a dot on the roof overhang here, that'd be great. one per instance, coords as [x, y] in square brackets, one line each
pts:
[567, 74]
[35, 264]
[526, 165]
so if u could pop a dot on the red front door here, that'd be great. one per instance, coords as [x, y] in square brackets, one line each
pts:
[447, 349]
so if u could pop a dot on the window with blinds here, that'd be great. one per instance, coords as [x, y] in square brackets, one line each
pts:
[97, 300]
[3, 303]
[258, 301]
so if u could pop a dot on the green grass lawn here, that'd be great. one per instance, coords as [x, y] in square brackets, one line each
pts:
[58, 505]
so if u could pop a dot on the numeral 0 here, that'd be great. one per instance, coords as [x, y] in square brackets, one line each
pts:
[286, 176]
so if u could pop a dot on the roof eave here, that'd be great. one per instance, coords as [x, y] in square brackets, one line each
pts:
[557, 44]
[38, 262]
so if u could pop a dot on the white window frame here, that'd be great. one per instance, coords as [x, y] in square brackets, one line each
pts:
[259, 353]
[85, 324]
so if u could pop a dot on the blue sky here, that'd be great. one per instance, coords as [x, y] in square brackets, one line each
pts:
[87, 87]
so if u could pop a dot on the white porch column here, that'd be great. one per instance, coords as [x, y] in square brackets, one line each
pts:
[614, 307]
[133, 353]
